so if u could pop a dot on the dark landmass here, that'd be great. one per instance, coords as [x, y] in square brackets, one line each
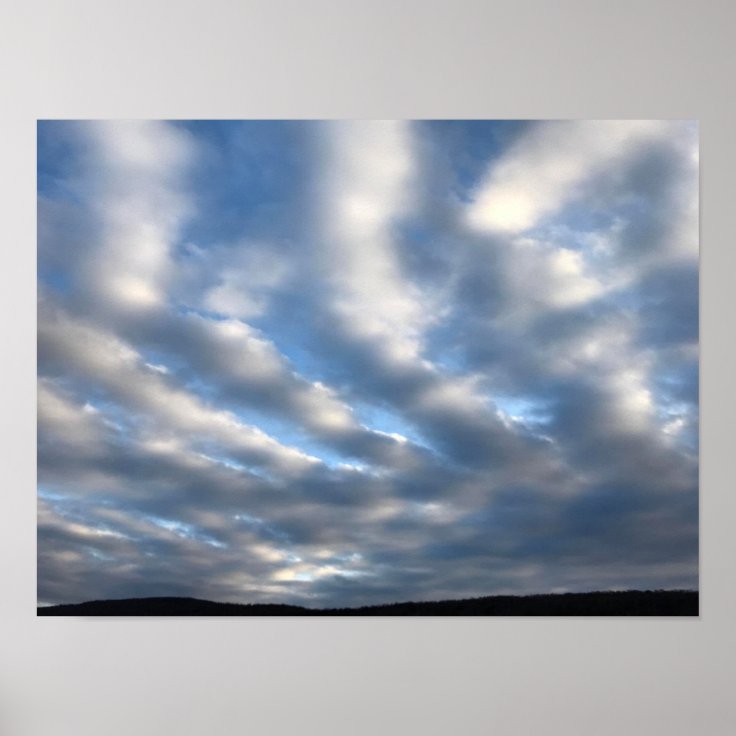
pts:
[625, 603]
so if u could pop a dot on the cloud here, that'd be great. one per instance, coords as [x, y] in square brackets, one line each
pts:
[366, 187]
[245, 280]
[339, 363]
[115, 368]
[549, 166]
[133, 172]
[138, 208]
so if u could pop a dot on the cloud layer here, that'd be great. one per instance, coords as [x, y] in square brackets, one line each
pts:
[339, 363]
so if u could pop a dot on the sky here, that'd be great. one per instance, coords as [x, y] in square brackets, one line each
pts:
[339, 363]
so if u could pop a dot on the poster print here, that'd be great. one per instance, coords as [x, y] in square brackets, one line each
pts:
[367, 367]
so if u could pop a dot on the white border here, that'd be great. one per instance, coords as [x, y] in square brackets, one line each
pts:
[365, 58]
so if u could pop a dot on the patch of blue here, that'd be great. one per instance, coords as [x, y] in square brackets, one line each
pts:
[381, 419]
[56, 158]
[248, 175]
[470, 145]
[527, 409]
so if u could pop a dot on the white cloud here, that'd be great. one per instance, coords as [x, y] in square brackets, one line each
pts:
[549, 166]
[367, 185]
[132, 182]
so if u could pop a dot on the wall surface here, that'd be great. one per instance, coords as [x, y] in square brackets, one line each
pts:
[348, 58]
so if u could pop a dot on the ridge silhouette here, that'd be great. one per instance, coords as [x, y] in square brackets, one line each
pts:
[599, 603]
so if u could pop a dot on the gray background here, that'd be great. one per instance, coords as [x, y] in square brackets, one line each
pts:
[321, 58]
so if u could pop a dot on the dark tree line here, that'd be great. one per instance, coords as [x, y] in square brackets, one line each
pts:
[608, 603]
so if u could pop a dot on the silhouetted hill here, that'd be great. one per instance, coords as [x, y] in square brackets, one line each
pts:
[626, 603]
